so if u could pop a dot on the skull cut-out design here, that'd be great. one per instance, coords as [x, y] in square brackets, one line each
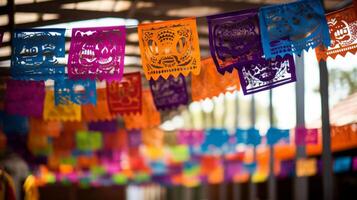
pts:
[293, 27]
[76, 91]
[267, 74]
[343, 33]
[36, 54]
[97, 53]
[169, 93]
[234, 38]
[125, 97]
[169, 48]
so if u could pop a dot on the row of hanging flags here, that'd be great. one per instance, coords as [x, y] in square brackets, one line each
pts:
[259, 43]
[101, 153]
[73, 125]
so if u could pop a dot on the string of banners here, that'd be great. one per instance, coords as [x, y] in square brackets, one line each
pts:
[101, 152]
[74, 123]
[259, 43]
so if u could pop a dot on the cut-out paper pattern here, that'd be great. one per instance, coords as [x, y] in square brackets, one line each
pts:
[88, 140]
[305, 136]
[342, 164]
[149, 116]
[209, 83]
[134, 138]
[306, 167]
[25, 98]
[343, 33]
[266, 74]
[287, 168]
[293, 27]
[354, 163]
[275, 136]
[98, 112]
[68, 112]
[76, 91]
[152, 137]
[47, 128]
[124, 97]
[37, 53]
[215, 141]
[169, 93]
[64, 144]
[190, 137]
[248, 136]
[104, 126]
[97, 53]
[116, 141]
[234, 38]
[169, 48]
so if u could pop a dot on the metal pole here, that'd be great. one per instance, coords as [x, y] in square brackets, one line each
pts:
[327, 175]
[237, 186]
[271, 180]
[300, 183]
[252, 186]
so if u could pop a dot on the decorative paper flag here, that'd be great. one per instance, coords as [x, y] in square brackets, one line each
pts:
[104, 126]
[234, 38]
[287, 168]
[169, 93]
[88, 140]
[215, 140]
[169, 48]
[149, 117]
[37, 143]
[179, 153]
[73, 127]
[232, 168]
[69, 112]
[305, 136]
[275, 136]
[47, 128]
[25, 98]
[343, 33]
[97, 53]
[115, 141]
[125, 97]
[209, 83]
[119, 179]
[36, 54]
[99, 112]
[158, 167]
[266, 74]
[85, 162]
[64, 144]
[306, 167]
[76, 91]
[248, 136]
[134, 137]
[293, 27]
[152, 137]
[342, 164]
[14, 124]
[190, 137]
[354, 163]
